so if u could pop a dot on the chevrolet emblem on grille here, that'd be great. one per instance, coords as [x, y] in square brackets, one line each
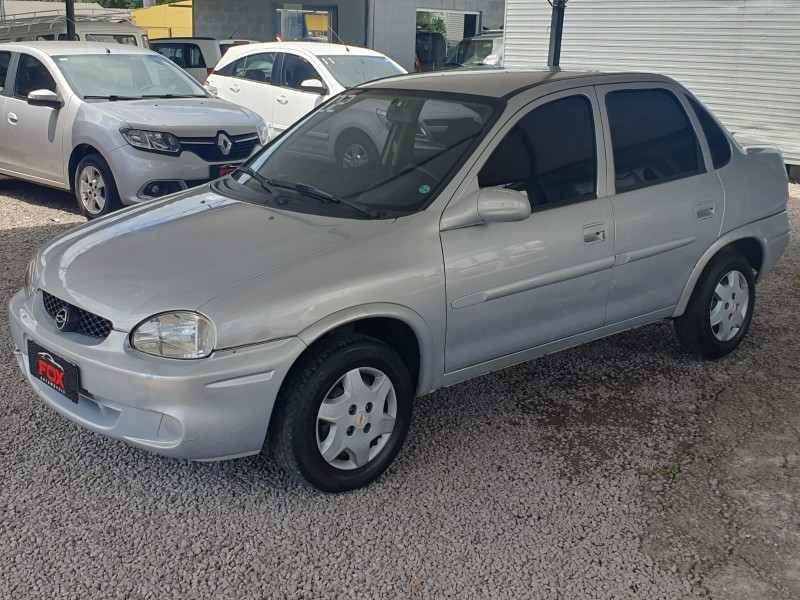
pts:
[66, 320]
[225, 144]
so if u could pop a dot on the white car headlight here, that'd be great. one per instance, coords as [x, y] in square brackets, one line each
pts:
[29, 273]
[158, 141]
[179, 334]
[263, 133]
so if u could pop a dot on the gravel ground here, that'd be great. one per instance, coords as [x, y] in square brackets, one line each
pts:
[621, 469]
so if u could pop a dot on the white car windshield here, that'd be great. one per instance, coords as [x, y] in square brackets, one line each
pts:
[126, 77]
[477, 51]
[380, 153]
[355, 69]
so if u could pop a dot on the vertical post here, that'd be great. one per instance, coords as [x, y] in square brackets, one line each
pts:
[70, 19]
[556, 33]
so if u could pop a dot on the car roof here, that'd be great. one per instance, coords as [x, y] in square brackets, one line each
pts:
[72, 48]
[315, 48]
[500, 83]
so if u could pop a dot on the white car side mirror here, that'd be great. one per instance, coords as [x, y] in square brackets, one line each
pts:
[500, 205]
[45, 98]
[314, 85]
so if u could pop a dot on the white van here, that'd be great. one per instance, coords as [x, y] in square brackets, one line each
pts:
[39, 27]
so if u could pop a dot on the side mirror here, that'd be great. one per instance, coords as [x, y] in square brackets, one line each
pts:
[500, 205]
[45, 98]
[314, 85]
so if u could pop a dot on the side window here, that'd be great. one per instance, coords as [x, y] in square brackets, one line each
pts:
[296, 70]
[652, 138]
[5, 60]
[186, 56]
[256, 67]
[717, 139]
[32, 75]
[551, 154]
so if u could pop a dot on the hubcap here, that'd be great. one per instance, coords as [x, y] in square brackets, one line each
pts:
[92, 190]
[356, 418]
[729, 306]
[355, 155]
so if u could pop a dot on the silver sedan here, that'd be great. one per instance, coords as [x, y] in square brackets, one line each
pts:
[306, 302]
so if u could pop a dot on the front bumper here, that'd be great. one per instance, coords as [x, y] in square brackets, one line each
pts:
[210, 409]
[133, 169]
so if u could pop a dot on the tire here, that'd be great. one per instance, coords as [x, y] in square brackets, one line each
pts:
[95, 200]
[720, 309]
[355, 149]
[305, 436]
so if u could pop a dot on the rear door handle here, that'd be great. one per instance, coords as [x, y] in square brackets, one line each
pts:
[282, 99]
[705, 209]
[594, 233]
[12, 118]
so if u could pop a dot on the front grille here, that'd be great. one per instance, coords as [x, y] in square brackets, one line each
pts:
[209, 150]
[88, 323]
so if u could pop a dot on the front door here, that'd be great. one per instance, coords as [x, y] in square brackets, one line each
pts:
[292, 101]
[250, 83]
[34, 133]
[668, 206]
[515, 286]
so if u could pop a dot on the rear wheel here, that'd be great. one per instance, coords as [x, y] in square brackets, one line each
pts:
[95, 187]
[721, 307]
[355, 149]
[343, 414]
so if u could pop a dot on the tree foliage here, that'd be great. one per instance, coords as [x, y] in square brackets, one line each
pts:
[430, 22]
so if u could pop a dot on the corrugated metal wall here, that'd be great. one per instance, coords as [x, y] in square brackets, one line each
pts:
[741, 57]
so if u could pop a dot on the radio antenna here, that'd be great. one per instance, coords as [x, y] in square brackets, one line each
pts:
[341, 41]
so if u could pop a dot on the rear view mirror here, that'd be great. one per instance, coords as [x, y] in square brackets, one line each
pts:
[313, 85]
[45, 98]
[500, 205]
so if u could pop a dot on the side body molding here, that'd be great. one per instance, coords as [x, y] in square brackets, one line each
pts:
[431, 363]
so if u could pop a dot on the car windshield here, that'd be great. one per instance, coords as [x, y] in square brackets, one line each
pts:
[126, 77]
[355, 69]
[476, 51]
[370, 153]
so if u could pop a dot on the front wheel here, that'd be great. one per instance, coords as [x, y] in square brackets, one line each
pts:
[95, 187]
[721, 307]
[343, 414]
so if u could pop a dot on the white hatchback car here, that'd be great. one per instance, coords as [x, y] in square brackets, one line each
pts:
[284, 81]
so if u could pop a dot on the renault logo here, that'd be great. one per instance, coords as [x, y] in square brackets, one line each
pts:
[225, 144]
[62, 318]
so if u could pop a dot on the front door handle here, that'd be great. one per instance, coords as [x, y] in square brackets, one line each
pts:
[705, 210]
[234, 88]
[282, 100]
[594, 233]
[12, 118]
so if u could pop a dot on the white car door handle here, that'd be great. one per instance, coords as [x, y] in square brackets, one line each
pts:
[705, 209]
[282, 100]
[234, 88]
[12, 118]
[592, 234]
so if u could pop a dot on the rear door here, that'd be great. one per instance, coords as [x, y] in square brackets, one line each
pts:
[248, 82]
[5, 62]
[667, 204]
[292, 101]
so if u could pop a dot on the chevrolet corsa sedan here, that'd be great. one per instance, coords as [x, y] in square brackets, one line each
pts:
[296, 301]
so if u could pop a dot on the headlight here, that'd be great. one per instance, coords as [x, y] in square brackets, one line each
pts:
[175, 335]
[29, 271]
[152, 140]
[263, 133]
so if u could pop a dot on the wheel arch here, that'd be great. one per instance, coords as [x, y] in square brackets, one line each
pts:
[401, 328]
[79, 152]
[752, 247]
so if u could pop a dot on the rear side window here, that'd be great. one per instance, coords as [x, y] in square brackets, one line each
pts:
[652, 138]
[256, 67]
[5, 60]
[550, 154]
[717, 139]
[186, 56]
[32, 75]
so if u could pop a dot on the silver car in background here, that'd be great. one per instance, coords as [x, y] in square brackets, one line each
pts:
[114, 123]
[308, 302]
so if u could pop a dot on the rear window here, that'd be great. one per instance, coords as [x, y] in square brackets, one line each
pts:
[652, 138]
[718, 142]
[111, 38]
[186, 56]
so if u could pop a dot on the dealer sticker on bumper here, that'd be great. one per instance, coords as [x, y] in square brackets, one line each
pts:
[52, 370]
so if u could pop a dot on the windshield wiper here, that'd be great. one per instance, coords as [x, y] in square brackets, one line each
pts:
[266, 184]
[309, 191]
[112, 97]
[174, 96]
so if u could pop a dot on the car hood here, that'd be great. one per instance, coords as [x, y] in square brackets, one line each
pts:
[181, 252]
[184, 117]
